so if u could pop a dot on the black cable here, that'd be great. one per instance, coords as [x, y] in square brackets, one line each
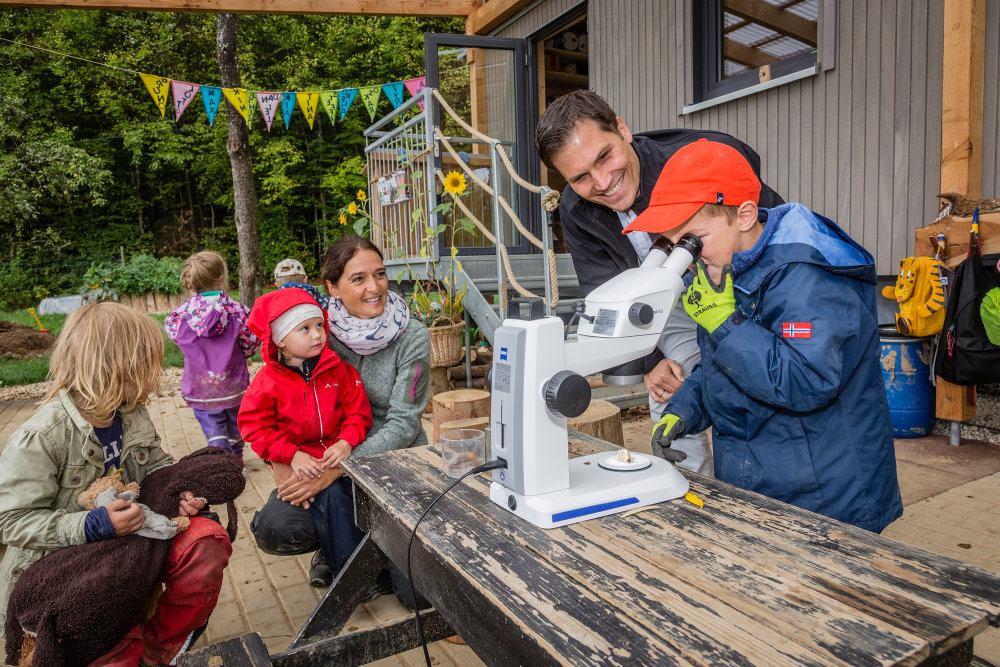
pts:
[492, 465]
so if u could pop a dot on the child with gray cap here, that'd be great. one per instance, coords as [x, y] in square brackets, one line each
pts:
[290, 273]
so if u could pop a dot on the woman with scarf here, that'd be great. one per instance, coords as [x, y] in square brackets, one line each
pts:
[371, 329]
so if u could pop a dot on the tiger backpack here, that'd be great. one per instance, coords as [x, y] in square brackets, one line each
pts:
[920, 295]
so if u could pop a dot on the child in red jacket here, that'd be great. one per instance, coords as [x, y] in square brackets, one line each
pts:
[304, 413]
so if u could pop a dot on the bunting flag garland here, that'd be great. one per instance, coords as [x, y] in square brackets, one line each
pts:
[211, 96]
[394, 93]
[370, 95]
[415, 85]
[157, 87]
[239, 99]
[268, 104]
[183, 95]
[287, 107]
[329, 100]
[345, 96]
[308, 101]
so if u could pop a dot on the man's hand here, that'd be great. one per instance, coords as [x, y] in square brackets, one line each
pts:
[664, 380]
[190, 505]
[709, 304]
[126, 517]
[335, 453]
[669, 428]
[303, 492]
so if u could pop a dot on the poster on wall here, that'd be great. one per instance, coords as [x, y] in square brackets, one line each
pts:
[400, 187]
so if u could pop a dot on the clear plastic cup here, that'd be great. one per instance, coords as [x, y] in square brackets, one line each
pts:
[462, 450]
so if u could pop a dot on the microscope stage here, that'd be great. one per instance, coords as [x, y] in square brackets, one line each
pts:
[595, 491]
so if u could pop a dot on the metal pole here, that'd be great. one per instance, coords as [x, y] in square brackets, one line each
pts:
[546, 244]
[955, 434]
[429, 163]
[497, 221]
[468, 353]
[121, 249]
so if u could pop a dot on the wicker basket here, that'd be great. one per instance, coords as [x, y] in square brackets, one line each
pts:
[446, 344]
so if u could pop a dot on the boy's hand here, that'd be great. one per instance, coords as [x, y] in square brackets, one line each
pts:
[669, 428]
[335, 453]
[709, 304]
[126, 517]
[305, 466]
[190, 505]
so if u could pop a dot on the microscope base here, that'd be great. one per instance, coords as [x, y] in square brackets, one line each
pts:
[594, 491]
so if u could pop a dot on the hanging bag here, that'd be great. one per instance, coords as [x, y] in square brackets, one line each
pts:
[966, 355]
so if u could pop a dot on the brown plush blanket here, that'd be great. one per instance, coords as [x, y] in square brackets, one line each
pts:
[81, 600]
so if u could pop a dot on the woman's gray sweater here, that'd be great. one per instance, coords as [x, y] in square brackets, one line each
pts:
[397, 381]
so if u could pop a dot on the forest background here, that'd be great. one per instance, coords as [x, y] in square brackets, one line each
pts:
[88, 166]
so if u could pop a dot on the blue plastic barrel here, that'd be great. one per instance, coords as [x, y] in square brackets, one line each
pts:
[906, 374]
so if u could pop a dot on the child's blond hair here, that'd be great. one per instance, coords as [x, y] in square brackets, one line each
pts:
[102, 347]
[204, 271]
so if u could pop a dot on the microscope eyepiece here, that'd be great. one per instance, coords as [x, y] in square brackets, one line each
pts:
[692, 244]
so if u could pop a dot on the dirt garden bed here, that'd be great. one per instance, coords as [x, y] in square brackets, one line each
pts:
[18, 341]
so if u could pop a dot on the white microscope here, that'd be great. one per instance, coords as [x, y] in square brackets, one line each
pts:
[538, 382]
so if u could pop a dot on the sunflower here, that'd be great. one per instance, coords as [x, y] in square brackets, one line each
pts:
[352, 208]
[361, 195]
[343, 219]
[454, 183]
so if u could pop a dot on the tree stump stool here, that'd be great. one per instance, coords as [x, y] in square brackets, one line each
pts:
[602, 420]
[459, 404]
[438, 383]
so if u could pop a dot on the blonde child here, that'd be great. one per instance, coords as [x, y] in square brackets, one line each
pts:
[304, 413]
[107, 361]
[210, 328]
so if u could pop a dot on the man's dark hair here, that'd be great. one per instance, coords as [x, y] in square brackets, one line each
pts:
[562, 116]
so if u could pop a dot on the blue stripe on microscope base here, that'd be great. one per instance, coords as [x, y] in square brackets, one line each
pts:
[593, 509]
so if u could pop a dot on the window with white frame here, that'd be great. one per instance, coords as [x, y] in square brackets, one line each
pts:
[741, 44]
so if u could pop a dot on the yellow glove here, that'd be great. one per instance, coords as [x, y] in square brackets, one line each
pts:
[709, 304]
[669, 428]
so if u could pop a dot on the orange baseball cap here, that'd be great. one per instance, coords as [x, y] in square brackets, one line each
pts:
[702, 172]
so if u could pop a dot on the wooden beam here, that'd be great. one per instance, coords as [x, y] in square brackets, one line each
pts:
[961, 139]
[492, 13]
[766, 14]
[370, 7]
[746, 55]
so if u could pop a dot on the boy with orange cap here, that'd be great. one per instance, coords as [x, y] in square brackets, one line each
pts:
[789, 378]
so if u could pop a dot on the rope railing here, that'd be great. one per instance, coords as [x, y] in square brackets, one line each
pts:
[550, 201]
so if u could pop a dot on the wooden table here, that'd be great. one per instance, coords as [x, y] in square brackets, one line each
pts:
[744, 580]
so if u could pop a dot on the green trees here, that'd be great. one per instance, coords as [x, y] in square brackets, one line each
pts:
[87, 165]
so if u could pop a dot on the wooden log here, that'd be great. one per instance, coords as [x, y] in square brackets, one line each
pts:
[602, 420]
[477, 383]
[459, 404]
[438, 384]
[457, 373]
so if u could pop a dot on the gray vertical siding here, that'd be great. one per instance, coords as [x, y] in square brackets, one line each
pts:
[860, 143]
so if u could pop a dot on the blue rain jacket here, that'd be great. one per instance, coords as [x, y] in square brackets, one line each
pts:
[792, 382]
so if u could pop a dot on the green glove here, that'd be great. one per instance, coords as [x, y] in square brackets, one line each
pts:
[709, 304]
[669, 428]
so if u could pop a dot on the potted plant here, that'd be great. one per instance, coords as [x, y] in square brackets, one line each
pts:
[436, 301]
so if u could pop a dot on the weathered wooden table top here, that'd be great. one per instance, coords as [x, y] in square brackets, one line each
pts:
[744, 580]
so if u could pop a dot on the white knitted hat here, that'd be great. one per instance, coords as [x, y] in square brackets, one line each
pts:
[283, 324]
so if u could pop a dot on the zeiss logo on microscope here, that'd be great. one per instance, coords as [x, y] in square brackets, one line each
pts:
[503, 354]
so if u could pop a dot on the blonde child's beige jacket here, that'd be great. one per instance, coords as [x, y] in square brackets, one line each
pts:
[45, 465]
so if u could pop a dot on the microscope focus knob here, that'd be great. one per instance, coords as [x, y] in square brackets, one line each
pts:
[640, 314]
[567, 394]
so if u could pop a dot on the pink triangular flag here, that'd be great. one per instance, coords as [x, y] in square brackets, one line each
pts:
[415, 86]
[268, 103]
[183, 94]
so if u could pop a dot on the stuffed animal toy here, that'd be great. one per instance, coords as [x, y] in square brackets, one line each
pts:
[920, 295]
[106, 489]
[74, 604]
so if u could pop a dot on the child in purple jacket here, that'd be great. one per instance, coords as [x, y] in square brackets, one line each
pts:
[211, 330]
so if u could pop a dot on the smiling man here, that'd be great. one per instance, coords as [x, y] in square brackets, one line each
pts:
[611, 173]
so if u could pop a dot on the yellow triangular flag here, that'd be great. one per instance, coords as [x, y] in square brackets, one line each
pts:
[157, 87]
[329, 100]
[239, 99]
[370, 95]
[308, 102]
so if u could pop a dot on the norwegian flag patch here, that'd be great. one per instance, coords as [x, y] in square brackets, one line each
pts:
[796, 330]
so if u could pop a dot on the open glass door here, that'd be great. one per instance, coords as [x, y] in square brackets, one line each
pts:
[483, 79]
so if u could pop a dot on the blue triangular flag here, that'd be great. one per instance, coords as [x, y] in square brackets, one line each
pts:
[287, 107]
[394, 93]
[211, 96]
[345, 96]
